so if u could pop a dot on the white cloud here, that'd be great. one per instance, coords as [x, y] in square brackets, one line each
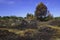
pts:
[7, 1]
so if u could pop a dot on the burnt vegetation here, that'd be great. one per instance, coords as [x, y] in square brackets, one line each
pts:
[36, 21]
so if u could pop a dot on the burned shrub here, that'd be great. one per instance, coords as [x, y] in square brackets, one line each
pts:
[23, 24]
[46, 33]
[32, 24]
[55, 23]
[6, 35]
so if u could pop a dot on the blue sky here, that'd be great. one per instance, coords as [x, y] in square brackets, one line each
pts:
[22, 7]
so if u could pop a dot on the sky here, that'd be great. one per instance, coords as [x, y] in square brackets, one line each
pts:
[22, 7]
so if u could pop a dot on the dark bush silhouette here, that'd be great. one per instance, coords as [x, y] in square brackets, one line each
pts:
[41, 11]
